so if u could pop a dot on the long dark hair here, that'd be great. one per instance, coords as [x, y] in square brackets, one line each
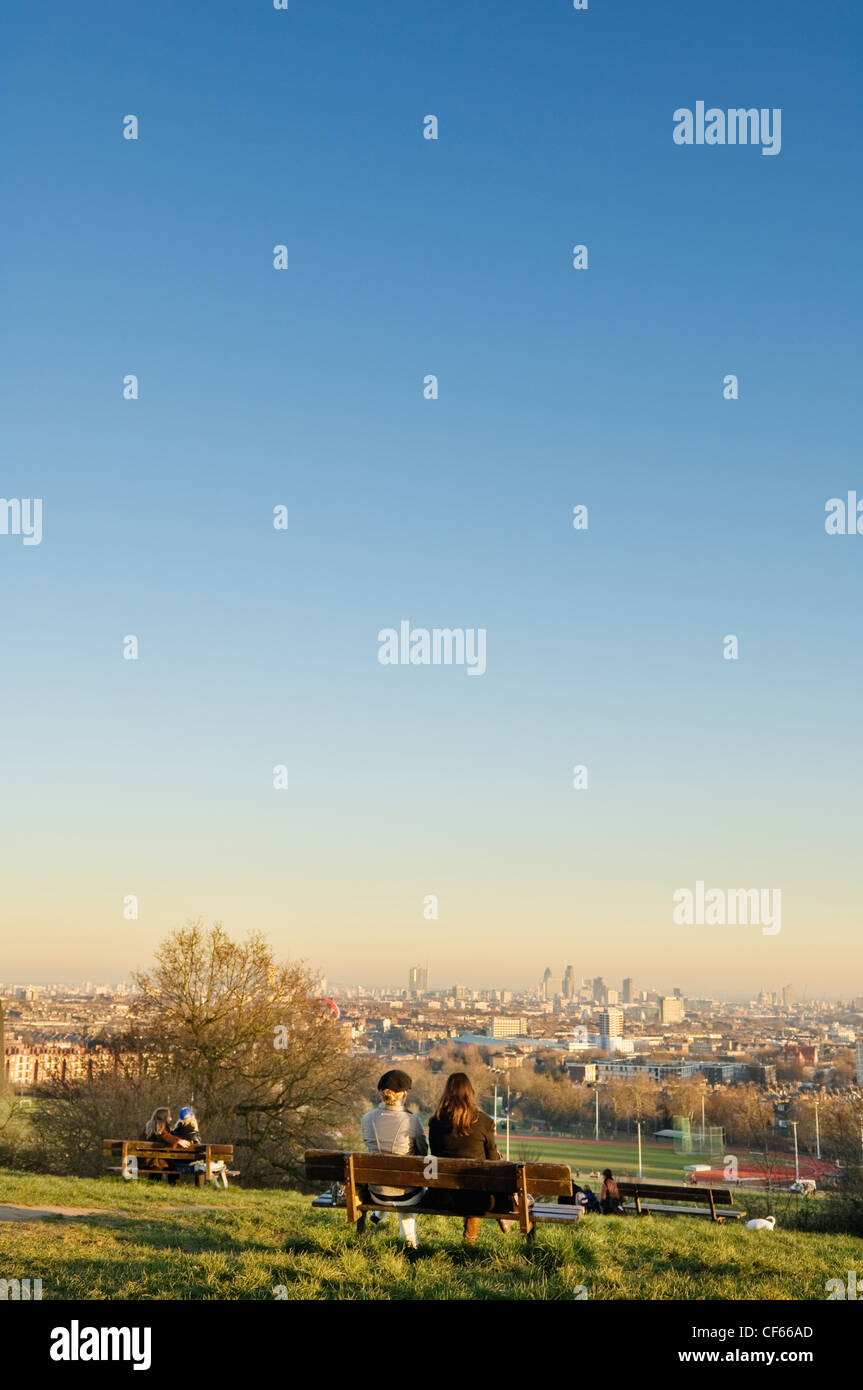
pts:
[458, 1104]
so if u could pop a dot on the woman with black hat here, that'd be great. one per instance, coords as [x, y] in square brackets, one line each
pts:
[391, 1129]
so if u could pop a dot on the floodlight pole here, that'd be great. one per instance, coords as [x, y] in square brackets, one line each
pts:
[817, 1133]
[507, 1113]
[596, 1126]
[640, 1173]
[794, 1124]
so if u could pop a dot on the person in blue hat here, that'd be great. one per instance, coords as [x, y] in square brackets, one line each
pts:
[187, 1128]
[187, 1125]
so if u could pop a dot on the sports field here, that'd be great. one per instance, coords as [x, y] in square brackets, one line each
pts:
[587, 1156]
[659, 1161]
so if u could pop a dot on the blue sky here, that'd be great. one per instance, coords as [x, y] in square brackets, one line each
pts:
[557, 387]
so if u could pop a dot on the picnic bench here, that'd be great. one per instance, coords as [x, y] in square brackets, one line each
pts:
[134, 1154]
[512, 1185]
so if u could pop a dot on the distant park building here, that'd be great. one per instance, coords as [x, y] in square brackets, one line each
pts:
[581, 1073]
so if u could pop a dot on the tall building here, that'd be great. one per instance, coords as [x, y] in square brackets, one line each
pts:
[611, 1023]
[787, 995]
[569, 982]
[672, 1009]
[599, 990]
[418, 979]
[627, 992]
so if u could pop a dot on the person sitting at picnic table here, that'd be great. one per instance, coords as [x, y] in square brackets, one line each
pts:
[158, 1131]
[459, 1129]
[391, 1129]
[609, 1197]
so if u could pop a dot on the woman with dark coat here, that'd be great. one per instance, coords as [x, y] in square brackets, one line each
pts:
[609, 1197]
[459, 1129]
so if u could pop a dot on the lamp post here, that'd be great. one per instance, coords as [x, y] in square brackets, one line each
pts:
[596, 1124]
[794, 1124]
[640, 1173]
[496, 1071]
[817, 1133]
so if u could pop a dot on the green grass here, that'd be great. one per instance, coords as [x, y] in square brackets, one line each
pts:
[155, 1242]
[585, 1156]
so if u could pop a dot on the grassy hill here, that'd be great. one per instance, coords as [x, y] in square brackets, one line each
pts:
[148, 1241]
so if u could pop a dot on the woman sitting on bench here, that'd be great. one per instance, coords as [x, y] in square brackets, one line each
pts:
[459, 1129]
[158, 1131]
[391, 1129]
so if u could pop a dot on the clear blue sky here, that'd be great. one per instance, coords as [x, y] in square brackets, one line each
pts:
[557, 387]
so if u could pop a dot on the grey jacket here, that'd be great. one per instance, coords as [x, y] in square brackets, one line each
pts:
[391, 1129]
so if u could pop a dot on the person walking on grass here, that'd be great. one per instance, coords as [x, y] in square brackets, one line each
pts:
[392, 1129]
[459, 1129]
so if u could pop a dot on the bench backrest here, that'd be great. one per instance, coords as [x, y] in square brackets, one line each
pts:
[676, 1192]
[142, 1148]
[460, 1174]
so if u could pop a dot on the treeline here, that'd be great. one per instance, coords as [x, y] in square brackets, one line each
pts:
[540, 1093]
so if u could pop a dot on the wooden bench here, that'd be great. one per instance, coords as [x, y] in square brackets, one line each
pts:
[511, 1184]
[668, 1199]
[130, 1152]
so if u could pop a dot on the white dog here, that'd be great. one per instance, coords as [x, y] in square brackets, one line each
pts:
[761, 1223]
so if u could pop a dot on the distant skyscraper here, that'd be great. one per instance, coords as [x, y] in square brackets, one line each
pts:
[627, 993]
[569, 982]
[672, 1009]
[611, 1023]
[599, 990]
[418, 979]
[610, 1027]
[787, 995]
